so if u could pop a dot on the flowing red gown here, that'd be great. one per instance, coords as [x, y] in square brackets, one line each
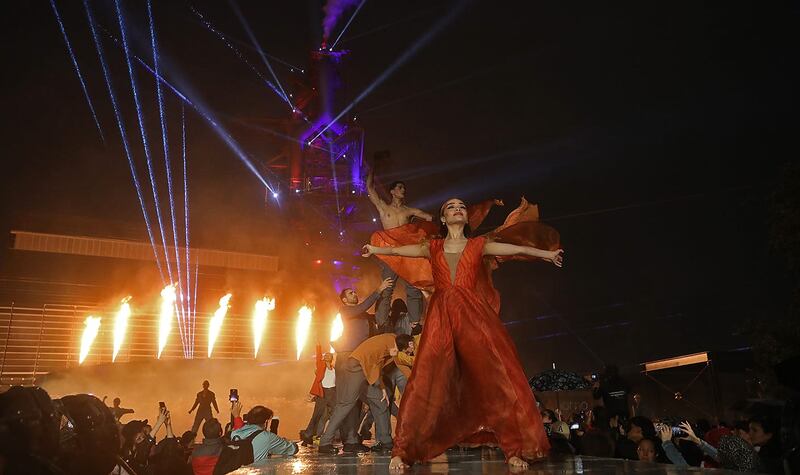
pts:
[467, 385]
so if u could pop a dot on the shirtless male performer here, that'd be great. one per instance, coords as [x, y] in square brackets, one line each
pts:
[393, 215]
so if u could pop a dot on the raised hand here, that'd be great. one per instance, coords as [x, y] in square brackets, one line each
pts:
[690, 435]
[387, 282]
[665, 432]
[557, 258]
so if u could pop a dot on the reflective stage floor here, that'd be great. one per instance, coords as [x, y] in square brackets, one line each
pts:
[481, 461]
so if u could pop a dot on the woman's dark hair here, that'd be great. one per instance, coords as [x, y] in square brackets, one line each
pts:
[648, 429]
[768, 424]
[443, 227]
[393, 184]
[398, 308]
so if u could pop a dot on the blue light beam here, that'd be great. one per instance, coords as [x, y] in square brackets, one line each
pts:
[167, 163]
[239, 55]
[352, 17]
[145, 145]
[250, 34]
[204, 112]
[77, 70]
[123, 135]
[186, 222]
[422, 41]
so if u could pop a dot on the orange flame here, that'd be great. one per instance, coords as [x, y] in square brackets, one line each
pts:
[302, 329]
[89, 334]
[165, 319]
[337, 329]
[215, 325]
[121, 326]
[263, 307]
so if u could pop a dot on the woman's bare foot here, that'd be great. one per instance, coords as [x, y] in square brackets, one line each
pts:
[518, 463]
[397, 464]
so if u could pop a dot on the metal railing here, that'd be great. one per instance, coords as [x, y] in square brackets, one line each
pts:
[40, 340]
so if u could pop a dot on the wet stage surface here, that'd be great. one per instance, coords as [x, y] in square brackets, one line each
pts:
[481, 461]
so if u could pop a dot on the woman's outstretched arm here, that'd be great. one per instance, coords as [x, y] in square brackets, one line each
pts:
[412, 250]
[503, 249]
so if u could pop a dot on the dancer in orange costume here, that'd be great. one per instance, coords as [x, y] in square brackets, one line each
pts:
[467, 385]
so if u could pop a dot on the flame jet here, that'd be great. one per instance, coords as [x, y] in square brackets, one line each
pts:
[215, 325]
[121, 326]
[263, 307]
[302, 328]
[337, 328]
[89, 334]
[166, 316]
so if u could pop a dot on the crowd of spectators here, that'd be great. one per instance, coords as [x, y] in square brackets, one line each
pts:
[79, 434]
[751, 445]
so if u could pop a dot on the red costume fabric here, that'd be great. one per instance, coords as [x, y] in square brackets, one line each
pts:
[467, 386]
[319, 373]
[521, 227]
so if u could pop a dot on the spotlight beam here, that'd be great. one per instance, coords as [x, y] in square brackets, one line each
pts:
[77, 70]
[145, 143]
[168, 166]
[203, 111]
[186, 223]
[352, 17]
[250, 34]
[408, 54]
[123, 134]
[239, 55]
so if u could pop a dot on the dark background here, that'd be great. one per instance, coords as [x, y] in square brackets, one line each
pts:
[650, 134]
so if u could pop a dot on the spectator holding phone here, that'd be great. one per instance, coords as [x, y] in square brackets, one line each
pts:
[670, 450]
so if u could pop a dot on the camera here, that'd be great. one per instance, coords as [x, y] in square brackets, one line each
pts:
[575, 426]
[273, 425]
[162, 405]
[234, 395]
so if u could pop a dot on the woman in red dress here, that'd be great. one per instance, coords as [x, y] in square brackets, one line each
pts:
[467, 386]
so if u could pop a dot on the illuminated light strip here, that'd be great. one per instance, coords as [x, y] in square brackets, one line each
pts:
[145, 145]
[440, 25]
[249, 32]
[168, 165]
[77, 70]
[352, 17]
[123, 135]
[239, 55]
[186, 225]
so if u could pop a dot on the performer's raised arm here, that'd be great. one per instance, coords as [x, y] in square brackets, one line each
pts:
[372, 193]
[412, 250]
[418, 213]
[503, 249]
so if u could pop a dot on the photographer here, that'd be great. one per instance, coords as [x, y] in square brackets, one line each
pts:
[615, 392]
[265, 443]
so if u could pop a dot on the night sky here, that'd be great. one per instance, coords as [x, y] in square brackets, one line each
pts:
[651, 135]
